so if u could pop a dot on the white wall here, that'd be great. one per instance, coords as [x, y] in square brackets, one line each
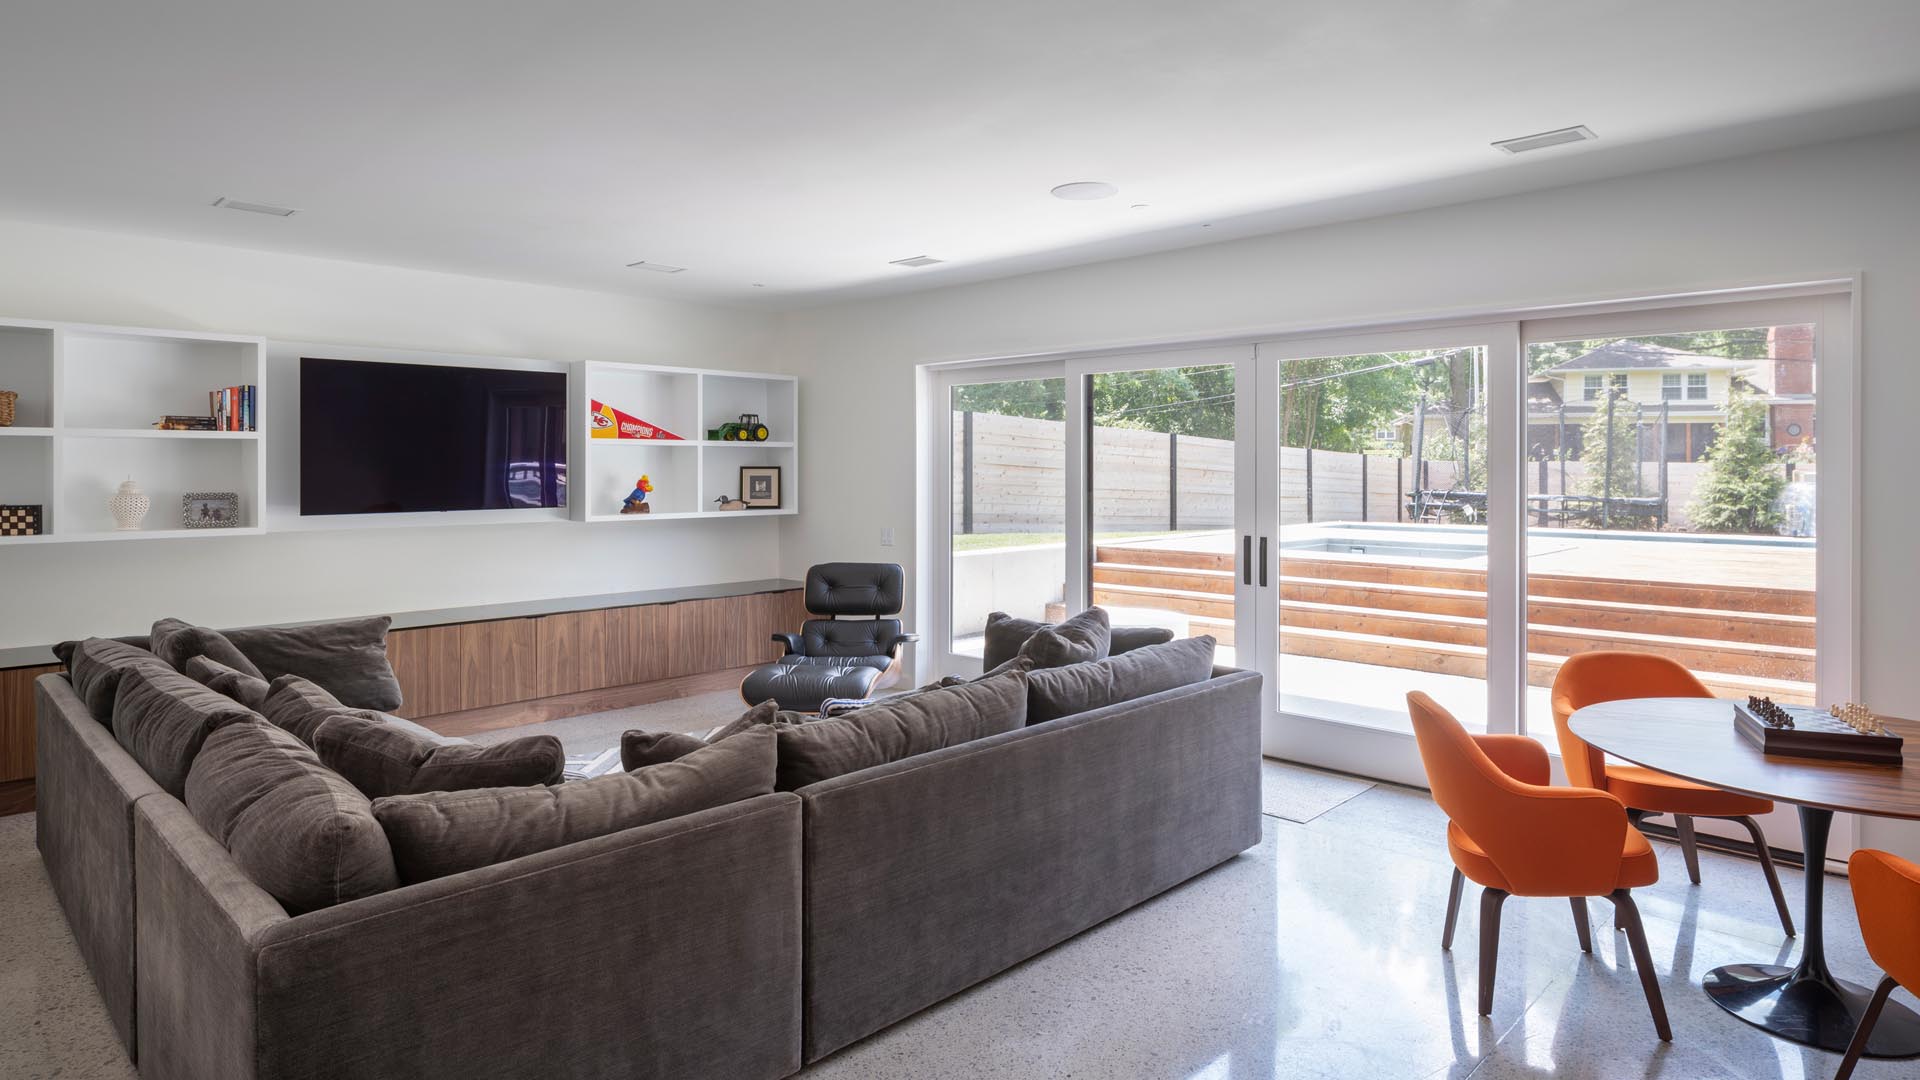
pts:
[53, 591]
[1784, 216]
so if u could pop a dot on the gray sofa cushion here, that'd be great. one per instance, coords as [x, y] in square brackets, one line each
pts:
[348, 658]
[177, 642]
[380, 758]
[1008, 637]
[448, 832]
[1078, 688]
[639, 749]
[1078, 640]
[161, 718]
[64, 651]
[901, 727]
[301, 832]
[299, 706]
[238, 685]
[760, 715]
[97, 666]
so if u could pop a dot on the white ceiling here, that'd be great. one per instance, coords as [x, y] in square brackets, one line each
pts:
[803, 145]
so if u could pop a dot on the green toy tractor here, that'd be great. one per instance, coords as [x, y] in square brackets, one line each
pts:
[747, 429]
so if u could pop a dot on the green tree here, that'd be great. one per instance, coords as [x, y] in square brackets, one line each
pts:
[1740, 488]
[1623, 437]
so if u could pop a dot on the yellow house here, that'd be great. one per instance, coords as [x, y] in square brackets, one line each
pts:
[1692, 387]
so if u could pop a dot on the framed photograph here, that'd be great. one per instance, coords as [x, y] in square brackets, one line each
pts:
[210, 509]
[760, 486]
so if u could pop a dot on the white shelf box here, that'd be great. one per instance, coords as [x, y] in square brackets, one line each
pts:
[614, 467]
[725, 397]
[720, 465]
[26, 368]
[26, 476]
[92, 467]
[665, 399]
[130, 379]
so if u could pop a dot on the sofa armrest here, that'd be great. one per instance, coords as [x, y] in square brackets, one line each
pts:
[670, 950]
[790, 642]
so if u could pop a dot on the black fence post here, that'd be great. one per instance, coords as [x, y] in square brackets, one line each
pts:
[966, 472]
[1309, 484]
[1363, 486]
[1399, 489]
[1173, 481]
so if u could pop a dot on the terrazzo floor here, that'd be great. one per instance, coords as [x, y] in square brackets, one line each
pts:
[1314, 955]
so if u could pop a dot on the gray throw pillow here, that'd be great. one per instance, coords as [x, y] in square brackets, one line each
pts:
[177, 642]
[299, 706]
[381, 758]
[238, 685]
[1128, 638]
[639, 749]
[348, 658]
[64, 651]
[161, 718]
[300, 832]
[897, 728]
[1080, 688]
[1084, 637]
[449, 832]
[97, 667]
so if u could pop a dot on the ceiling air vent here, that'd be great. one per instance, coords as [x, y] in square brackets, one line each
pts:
[658, 268]
[254, 207]
[1561, 137]
[917, 260]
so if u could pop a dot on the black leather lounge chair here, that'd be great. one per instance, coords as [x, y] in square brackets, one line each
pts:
[835, 657]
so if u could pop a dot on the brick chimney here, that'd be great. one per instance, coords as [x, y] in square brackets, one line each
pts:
[1792, 350]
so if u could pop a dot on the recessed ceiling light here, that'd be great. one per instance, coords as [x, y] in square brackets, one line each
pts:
[658, 268]
[1085, 191]
[1558, 137]
[917, 260]
[254, 207]
[759, 284]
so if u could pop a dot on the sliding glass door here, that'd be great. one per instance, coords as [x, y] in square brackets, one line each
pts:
[1387, 494]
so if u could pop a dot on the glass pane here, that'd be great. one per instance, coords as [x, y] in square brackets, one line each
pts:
[1677, 526]
[1009, 486]
[1162, 500]
[1383, 540]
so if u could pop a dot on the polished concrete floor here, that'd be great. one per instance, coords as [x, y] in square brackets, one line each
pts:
[1314, 955]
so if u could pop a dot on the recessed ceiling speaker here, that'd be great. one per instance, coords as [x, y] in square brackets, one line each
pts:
[1085, 191]
[917, 260]
[1559, 137]
[253, 207]
[658, 268]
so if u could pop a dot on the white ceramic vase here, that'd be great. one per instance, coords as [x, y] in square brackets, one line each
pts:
[129, 506]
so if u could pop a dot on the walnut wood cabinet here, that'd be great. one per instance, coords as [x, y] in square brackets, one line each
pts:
[477, 665]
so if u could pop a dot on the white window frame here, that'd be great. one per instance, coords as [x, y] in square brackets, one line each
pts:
[1696, 380]
[1590, 387]
[1672, 386]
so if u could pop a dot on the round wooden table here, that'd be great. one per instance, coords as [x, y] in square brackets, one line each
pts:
[1695, 739]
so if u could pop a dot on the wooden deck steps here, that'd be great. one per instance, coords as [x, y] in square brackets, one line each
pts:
[1470, 661]
[1432, 617]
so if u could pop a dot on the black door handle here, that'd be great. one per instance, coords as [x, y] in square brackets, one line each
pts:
[1246, 559]
[1263, 562]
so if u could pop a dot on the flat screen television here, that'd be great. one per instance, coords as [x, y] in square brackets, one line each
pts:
[378, 438]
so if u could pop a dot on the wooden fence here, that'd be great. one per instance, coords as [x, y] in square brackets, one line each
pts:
[1010, 477]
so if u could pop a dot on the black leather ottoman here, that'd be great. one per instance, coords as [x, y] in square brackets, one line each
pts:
[801, 683]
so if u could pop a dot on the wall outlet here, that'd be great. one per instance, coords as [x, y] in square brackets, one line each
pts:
[886, 537]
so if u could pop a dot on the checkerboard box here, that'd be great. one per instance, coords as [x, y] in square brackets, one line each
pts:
[20, 520]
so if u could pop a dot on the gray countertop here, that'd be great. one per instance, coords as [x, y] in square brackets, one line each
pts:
[34, 655]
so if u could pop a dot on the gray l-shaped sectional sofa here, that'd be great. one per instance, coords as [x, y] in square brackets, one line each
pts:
[740, 942]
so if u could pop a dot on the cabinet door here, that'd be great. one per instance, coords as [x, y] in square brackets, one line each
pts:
[636, 644]
[16, 721]
[572, 649]
[426, 660]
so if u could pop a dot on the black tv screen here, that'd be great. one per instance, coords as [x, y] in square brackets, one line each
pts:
[379, 438]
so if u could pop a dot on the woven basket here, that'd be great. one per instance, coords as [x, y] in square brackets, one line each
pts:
[7, 398]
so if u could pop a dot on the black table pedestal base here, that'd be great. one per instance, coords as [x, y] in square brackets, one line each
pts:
[1813, 1011]
[1806, 1004]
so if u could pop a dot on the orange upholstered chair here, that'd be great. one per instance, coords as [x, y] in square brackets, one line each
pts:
[1515, 835]
[1886, 892]
[1590, 678]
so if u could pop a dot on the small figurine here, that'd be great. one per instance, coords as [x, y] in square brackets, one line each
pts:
[636, 501]
[731, 504]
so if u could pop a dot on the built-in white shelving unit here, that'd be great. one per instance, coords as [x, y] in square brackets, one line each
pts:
[689, 473]
[89, 396]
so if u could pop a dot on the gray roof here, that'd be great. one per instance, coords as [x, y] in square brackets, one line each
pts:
[1630, 355]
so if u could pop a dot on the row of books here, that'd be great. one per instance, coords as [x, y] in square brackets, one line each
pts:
[228, 409]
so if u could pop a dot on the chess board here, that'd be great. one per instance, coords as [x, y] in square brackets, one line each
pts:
[1816, 734]
[19, 521]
